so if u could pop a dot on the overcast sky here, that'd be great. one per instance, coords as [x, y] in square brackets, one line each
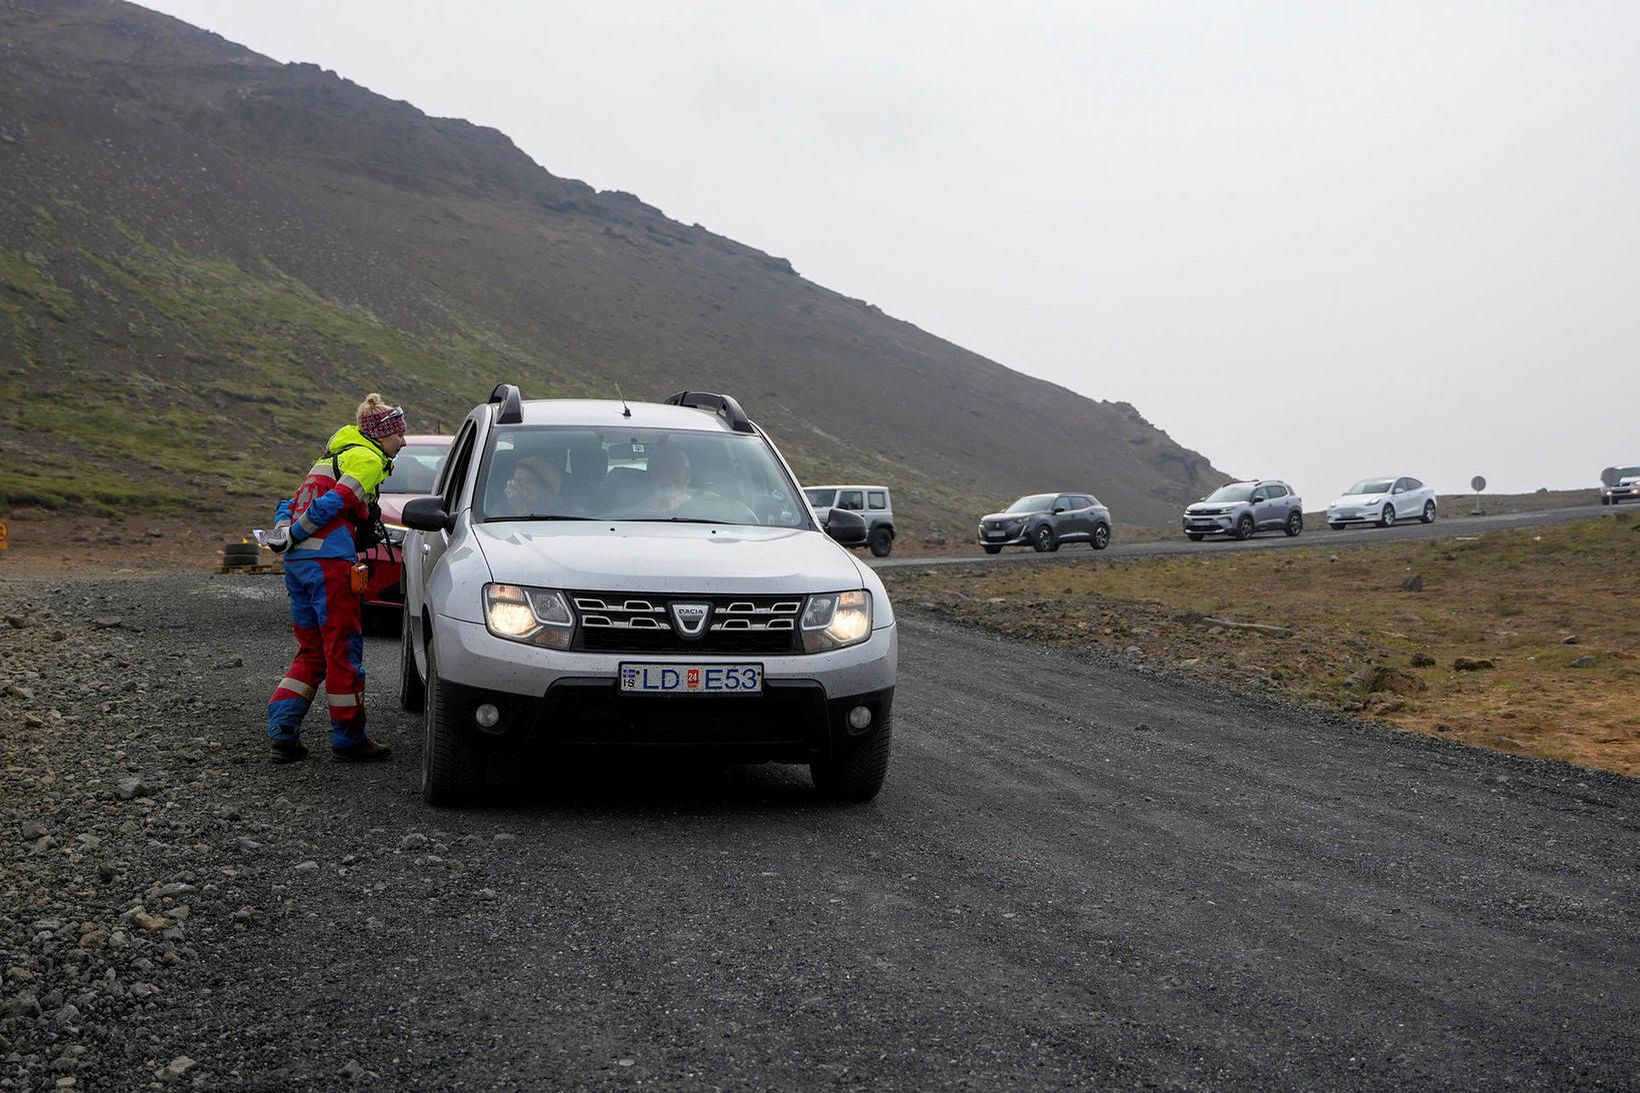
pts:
[1316, 242]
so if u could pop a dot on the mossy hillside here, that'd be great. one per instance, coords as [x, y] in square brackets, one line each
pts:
[247, 361]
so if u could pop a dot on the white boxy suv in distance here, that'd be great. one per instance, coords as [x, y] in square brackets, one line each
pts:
[644, 576]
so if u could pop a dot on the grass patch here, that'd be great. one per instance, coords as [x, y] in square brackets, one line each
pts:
[1512, 598]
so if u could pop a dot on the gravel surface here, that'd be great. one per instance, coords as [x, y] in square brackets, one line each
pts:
[1082, 873]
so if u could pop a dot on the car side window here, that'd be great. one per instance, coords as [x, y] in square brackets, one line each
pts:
[852, 500]
[455, 469]
[1261, 494]
[1414, 484]
[1090, 502]
[877, 499]
[1062, 503]
[1277, 491]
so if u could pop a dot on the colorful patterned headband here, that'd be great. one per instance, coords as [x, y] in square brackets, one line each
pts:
[384, 423]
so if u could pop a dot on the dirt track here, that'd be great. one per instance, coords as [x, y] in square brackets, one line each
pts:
[1081, 873]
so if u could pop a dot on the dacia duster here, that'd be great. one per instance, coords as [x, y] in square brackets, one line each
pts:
[646, 575]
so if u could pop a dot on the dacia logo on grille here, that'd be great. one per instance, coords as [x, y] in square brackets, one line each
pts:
[689, 619]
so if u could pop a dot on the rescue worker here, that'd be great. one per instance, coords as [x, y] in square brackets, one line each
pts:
[315, 532]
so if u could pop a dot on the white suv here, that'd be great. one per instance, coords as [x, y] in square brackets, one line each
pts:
[872, 503]
[644, 575]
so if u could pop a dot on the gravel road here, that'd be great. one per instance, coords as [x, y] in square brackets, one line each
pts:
[1082, 873]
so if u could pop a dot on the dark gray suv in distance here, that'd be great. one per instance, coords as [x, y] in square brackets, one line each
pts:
[1240, 509]
[1044, 520]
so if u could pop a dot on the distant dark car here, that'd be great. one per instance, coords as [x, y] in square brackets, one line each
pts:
[1042, 521]
[415, 469]
[1618, 484]
[1241, 509]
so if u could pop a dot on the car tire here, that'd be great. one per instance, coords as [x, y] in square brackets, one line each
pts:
[1101, 536]
[857, 774]
[1336, 527]
[1429, 512]
[991, 549]
[1193, 536]
[452, 770]
[1386, 519]
[1244, 528]
[1043, 541]
[412, 691]
[1605, 500]
[881, 542]
[238, 554]
[1295, 523]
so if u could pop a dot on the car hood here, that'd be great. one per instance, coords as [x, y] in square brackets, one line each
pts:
[1213, 506]
[628, 556]
[1357, 500]
[1006, 516]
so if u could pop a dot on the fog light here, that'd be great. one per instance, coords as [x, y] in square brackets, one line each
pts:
[486, 716]
[859, 717]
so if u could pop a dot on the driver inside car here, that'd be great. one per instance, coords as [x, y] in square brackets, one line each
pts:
[669, 474]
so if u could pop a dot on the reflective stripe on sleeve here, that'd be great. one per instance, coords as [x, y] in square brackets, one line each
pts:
[347, 481]
[307, 526]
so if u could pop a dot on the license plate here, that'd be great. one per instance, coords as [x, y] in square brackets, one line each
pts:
[692, 679]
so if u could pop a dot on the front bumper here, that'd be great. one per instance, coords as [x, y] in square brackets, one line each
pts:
[1208, 525]
[1002, 537]
[572, 698]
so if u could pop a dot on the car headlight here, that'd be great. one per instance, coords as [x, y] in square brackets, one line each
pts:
[536, 616]
[836, 620]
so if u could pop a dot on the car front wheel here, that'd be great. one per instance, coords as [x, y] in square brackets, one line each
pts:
[992, 549]
[1044, 542]
[1193, 536]
[412, 692]
[856, 773]
[452, 770]
[1244, 528]
[1101, 536]
[1386, 519]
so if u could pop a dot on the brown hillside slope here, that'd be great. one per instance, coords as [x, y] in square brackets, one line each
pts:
[205, 256]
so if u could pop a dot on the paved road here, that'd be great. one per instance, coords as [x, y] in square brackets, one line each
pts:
[1080, 875]
[1314, 535]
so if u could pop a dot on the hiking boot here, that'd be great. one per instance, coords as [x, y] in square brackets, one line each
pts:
[367, 752]
[288, 751]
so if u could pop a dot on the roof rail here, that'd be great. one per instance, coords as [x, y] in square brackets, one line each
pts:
[511, 412]
[723, 405]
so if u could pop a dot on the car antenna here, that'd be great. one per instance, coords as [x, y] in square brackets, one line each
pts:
[626, 411]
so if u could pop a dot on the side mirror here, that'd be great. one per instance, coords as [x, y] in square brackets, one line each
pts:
[1058, 509]
[427, 514]
[847, 528]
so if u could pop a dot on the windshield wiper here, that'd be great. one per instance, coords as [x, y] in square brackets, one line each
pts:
[535, 516]
[674, 520]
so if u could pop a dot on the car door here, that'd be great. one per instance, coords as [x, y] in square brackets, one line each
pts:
[430, 545]
[1400, 495]
[1281, 503]
[1260, 507]
[1064, 518]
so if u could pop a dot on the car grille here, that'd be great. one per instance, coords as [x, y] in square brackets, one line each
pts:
[624, 622]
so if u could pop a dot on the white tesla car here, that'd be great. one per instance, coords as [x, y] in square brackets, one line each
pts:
[1383, 501]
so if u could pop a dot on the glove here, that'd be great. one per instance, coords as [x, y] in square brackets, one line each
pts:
[278, 540]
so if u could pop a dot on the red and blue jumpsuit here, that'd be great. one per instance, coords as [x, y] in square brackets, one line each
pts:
[324, 608]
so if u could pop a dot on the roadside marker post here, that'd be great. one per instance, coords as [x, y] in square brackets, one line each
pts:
[1478, 483]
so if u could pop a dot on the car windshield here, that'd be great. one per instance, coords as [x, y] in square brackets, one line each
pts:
[821, 499]
[622, 473]
[1628, 472]
[415, 468]
[1233, 492]
[1036, 502]
[1371, 485]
